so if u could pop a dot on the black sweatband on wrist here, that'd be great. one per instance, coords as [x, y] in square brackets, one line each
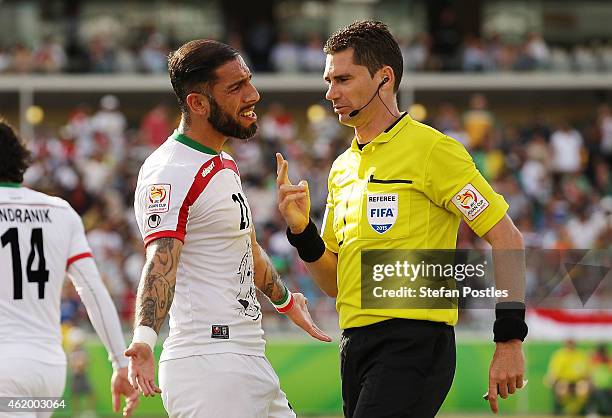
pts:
[509, 322]
[309, 244]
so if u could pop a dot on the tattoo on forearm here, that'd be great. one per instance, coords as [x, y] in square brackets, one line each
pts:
[273, 287]
[156, 289]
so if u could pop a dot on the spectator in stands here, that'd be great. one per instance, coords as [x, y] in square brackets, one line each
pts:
[475, 58]
[537, 50]
[156, 126]
[70, 304]
[154, 54]
[606, 208]
[416, 52]
[602, 177]
[126, 58]
[312, 56]
[567, 149]
[50, 56]
[323, 129]
[107, 247]
[447, 121]
[278, 124]
[517, 200]
[478, 121]
[535, 174]
[111, 122]
[606, 57]
[285, 55]
[584, 59]
[560, 60]
[585, 226]
[5, 59]
[524, 60]
[494, 49]
[604, 125]
[22, 61]
[100, 56]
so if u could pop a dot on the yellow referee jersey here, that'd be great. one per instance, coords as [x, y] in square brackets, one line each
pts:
[406, 189]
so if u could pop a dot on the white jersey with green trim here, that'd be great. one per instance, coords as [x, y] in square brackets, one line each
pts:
[191, 193]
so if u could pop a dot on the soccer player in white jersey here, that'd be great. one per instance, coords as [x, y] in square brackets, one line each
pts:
[203, 262]
[41, 241]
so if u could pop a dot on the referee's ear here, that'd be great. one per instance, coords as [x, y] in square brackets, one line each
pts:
[387, 73]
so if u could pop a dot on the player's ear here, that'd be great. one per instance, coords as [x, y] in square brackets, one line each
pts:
[198, 103]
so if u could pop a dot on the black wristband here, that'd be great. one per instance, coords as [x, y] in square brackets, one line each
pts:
[509, 322]
[309, 244]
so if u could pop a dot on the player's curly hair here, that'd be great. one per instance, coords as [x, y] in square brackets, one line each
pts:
[373, 47]
[15, 157]
[194, 65]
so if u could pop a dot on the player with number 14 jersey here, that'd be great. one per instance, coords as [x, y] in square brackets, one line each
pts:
[42, 240]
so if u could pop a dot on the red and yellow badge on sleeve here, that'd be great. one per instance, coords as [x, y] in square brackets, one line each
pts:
[470, 202]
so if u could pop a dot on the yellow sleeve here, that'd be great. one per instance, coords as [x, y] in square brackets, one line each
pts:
[327, 227]
[453, 182]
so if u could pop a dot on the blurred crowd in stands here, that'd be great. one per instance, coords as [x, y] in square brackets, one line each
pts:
[556, 178]
[445, 49]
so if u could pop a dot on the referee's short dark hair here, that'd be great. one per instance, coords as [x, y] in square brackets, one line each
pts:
[373, 47]
[15, 157]
[194, 64]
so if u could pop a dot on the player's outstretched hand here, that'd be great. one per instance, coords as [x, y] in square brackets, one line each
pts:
[120, 385]
[141, 368]
[301, 317]
[506, 372]
[293, 200]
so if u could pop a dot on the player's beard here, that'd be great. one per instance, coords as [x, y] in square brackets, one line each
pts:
[228, 125]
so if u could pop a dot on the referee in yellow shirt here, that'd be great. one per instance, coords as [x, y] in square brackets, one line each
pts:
[400, 185]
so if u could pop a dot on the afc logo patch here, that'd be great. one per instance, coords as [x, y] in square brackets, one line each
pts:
[158, 198]
[382, 211]
[470, 202]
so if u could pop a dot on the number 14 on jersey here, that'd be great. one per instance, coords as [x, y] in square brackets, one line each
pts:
[40, 275]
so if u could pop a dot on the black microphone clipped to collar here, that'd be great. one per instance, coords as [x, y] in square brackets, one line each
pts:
[356, 111]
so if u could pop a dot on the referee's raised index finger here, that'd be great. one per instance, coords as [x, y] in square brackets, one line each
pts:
[281, 170]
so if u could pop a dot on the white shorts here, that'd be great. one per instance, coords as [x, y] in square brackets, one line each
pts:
[30, 378]
[225, 385]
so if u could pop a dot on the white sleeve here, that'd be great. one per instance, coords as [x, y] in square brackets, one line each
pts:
[162, 200]
[79, 247]
[100, 308]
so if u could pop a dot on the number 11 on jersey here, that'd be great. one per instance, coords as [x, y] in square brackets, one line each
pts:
[245, 222]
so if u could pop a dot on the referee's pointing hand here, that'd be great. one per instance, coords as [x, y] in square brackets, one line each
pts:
[506, 371]
[293, 200]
